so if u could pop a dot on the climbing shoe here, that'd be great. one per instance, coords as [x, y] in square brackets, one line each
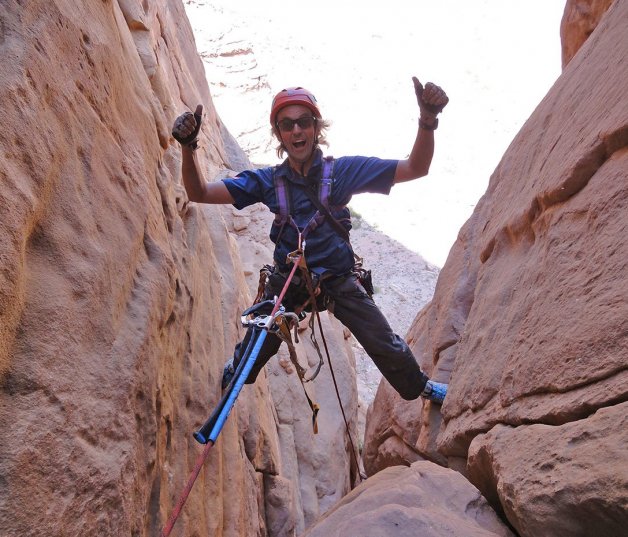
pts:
[435, 392]
[227, 373]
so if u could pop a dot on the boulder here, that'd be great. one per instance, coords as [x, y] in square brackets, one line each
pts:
[570, 479]
[423, 499]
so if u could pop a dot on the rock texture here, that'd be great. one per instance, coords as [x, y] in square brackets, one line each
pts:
[569, 480]
[425, 500]
[119, 303]
[113, 330]
[545, 339]
[579, 20]
[119, 299]
[392, 431]
[529, 320]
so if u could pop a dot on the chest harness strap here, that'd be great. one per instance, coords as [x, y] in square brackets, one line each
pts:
[282, 192]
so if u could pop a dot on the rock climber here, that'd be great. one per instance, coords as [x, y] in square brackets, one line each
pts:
[299, 127]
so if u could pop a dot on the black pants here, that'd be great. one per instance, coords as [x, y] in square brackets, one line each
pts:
[348, 301]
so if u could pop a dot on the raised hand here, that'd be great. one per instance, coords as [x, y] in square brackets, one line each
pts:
[431, 98]
[187, 126]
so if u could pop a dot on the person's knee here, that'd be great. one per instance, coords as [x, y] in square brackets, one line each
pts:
[409, 396]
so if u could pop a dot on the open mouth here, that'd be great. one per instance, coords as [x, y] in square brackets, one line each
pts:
[299, 144]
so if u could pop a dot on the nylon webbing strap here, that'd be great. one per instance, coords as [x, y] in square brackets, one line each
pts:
[340, 229]
[326, 181]
[320, 200]
[285, 335]
[282, 196]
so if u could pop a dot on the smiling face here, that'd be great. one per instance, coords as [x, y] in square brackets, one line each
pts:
[299, 142]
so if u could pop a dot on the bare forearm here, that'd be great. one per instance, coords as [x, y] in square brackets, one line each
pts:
[197, 188]
[193, 179]
[431, 99]
[418, 163]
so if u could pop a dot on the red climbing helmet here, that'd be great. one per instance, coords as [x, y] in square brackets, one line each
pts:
[290, 96]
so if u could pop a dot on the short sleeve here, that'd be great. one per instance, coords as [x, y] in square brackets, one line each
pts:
[247, 188]
[355, 175]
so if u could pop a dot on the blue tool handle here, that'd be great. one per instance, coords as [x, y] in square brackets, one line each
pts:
[202, 435]
[237, 387]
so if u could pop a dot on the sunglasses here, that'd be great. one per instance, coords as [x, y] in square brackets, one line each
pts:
[286, 125]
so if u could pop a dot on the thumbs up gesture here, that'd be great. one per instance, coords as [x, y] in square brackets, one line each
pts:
[187, 126]
[431, 98]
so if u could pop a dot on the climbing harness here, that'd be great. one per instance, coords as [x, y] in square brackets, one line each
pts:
[321, 202]
[282, 193]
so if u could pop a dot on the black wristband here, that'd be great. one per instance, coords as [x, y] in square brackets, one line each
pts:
[427, 127]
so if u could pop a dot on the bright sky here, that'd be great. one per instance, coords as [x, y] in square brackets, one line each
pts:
[496, 59]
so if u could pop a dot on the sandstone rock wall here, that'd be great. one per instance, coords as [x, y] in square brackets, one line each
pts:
[119, 299]
[529, 320]
[579, 20]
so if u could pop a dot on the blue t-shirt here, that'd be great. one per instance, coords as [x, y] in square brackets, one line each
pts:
[325, 249]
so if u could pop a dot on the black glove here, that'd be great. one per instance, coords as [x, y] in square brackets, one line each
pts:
[187, 126]
[432, 99]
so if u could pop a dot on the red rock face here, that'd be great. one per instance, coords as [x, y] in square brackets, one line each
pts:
[530, 312]
[545, 336]
[580, 18]
[119, 300]
[110, 354]
[569, 480]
